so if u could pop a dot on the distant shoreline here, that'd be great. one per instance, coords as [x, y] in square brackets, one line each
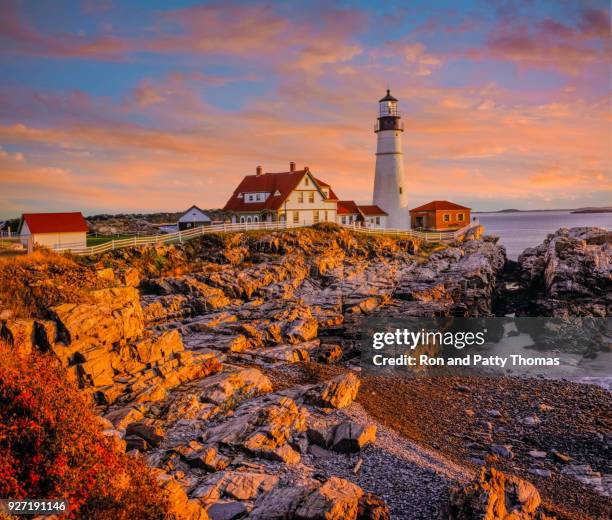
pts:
[569, 210]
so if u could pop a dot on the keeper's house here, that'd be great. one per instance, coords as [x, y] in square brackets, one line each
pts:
[296, 196]
[439, 215]
[53, 229]
[192, 218]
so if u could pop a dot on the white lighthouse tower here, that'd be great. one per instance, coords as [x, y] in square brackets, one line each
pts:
[389, 183]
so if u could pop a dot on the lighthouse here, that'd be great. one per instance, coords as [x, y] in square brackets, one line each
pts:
[389, 183]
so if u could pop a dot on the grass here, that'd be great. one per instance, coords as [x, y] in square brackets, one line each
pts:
[97, 240]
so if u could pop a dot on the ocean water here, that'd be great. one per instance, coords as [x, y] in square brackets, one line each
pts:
[518, 231]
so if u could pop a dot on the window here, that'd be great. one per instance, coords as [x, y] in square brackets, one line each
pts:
[248, 219]
[350, 219]
[311, 197]
[344, 220]
[315, 216]
[255, 219]
[400, 190]
[325, 215]
[378, 221]
[446, 217]
[296, 217]
[242, 220]
[301, 196]
[460, 217]
[306, 181]
[258, 196]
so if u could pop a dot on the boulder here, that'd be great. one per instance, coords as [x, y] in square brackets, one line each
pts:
[207, 457]
[181, 507]
[336, 499]
[261, 426]
[372, 507]
[229, 388]
[336, 393]
[150, 430]
[494, 495]
[238, 485]
[351, 437]
[121, 417]
[280, 503]
[226, 510]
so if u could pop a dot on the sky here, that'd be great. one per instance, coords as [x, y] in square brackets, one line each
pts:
[109, 106]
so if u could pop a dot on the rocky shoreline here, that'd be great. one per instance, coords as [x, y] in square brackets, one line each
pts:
[230, 363]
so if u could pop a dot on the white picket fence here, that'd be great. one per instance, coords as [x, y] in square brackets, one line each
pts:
[183, 236]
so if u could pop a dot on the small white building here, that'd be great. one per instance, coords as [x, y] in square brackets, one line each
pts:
[53, 229]
[348, 213]
[373, 216]
[296, 196]
[192, 218]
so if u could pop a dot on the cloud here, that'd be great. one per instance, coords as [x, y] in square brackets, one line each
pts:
[549, 43]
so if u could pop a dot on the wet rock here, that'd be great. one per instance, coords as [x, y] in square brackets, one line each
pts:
[494, 495]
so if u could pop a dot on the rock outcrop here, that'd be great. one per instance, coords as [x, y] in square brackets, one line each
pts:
[495, 496]
[189, 369]
[570, 273]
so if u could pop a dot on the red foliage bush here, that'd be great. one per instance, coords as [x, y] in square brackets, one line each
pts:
[51, 446]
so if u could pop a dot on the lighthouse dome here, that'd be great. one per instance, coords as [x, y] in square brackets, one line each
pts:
[388, 97]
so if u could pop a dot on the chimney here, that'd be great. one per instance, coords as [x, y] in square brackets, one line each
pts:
[291, 166]
[258, 171]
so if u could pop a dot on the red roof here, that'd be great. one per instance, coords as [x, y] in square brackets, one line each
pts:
[283, 183]
[438, 205]
[371, 210]
[346, 207]
[55, 222]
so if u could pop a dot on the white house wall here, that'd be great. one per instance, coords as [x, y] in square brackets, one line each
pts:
[76, 239]
[304, 208]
